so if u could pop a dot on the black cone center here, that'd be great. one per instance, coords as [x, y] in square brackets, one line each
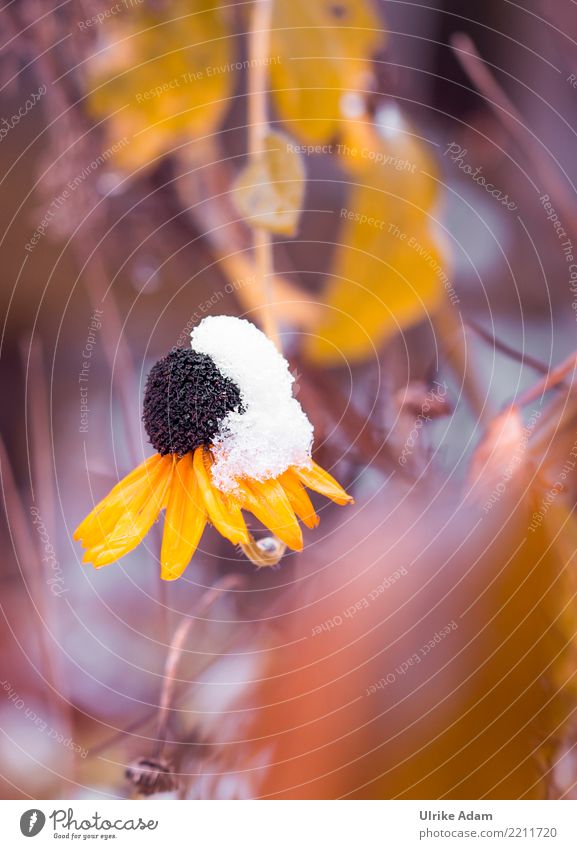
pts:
[185, 401]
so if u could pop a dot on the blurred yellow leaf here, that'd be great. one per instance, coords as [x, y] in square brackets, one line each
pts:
[164, 72]
[269, 191]
[389, 151]
[388, 271]
[320, 50]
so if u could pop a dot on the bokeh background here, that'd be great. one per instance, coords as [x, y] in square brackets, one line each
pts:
[423, 643]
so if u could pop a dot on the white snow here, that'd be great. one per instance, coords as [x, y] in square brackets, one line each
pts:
[273, 433]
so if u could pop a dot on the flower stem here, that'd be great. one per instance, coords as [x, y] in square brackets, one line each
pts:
[225, 584]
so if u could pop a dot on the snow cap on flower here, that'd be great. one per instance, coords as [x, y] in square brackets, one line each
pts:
[269, 432]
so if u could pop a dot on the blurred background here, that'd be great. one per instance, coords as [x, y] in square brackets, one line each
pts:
[423, 643]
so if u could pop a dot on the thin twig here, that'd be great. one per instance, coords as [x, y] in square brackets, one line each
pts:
[42, 486]
[245, 630]
[36, 422]
[454, 342]
[26, 555]
[552, 379]
[227, 583]
[479, 73]
[519, 356]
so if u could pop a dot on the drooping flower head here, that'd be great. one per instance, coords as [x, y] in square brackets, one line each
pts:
[229, 437]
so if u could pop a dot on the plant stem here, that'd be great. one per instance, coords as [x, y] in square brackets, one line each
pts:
[258, 127]
[478, 72]
[552, 379]
[519, 356]
[454, 341]
[203, 188]
[225, 584]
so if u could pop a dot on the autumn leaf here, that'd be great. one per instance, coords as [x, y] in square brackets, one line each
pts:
[319, 51]
[165, 72]
[269, 191]
[388, 270]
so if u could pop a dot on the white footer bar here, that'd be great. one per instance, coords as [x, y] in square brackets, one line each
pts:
[300, 824]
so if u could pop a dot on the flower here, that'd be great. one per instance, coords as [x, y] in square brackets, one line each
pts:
[230, 437]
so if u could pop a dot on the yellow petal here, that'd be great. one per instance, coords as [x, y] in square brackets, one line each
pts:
[320, 481]
[154, 492]
[136, 520]
[118, 497]
[115, 508]
[223, 512]
[269, 503]
[299, 499]
[140, 473]
[184, 522]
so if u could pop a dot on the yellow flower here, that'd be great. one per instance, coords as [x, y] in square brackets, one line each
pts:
[225, 444]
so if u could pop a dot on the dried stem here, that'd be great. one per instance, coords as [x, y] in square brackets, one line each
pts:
[453, 339]
[552, 379]
[519, 356]
[26, 556]
[479, 73]
[42, 486]
[36, 423]
[258, 127]
[229, 582]
[203, 188]
[244, 630]
[258, 51]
